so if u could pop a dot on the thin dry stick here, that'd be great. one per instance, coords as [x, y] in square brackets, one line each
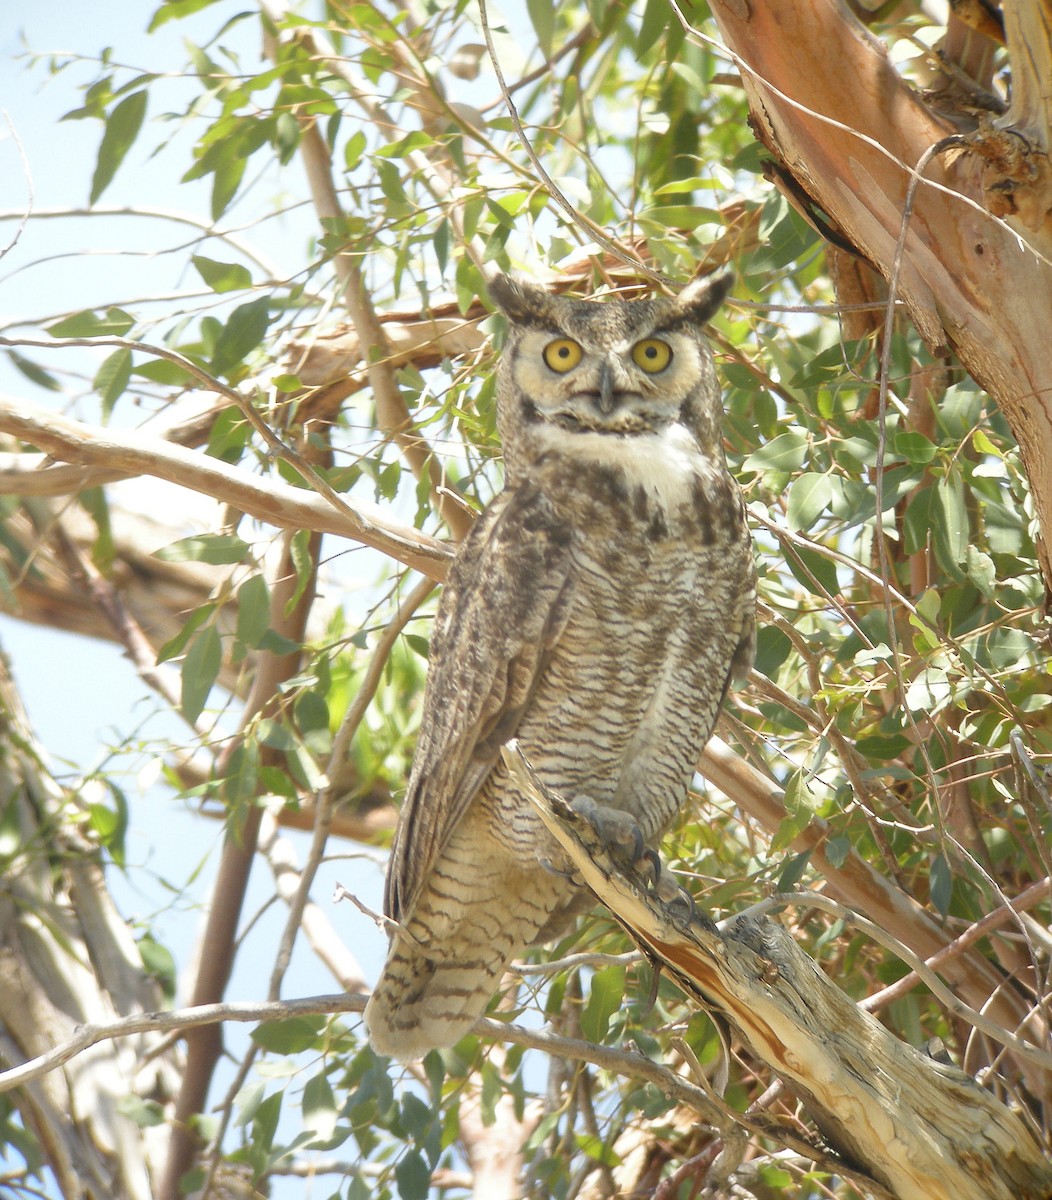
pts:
[1026, 899]
[243, 403]
[270, 500]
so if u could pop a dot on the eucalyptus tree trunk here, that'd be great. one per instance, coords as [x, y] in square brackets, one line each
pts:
[847, 132]
[67, 959]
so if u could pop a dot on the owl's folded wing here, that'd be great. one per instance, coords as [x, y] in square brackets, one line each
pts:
[503, 607]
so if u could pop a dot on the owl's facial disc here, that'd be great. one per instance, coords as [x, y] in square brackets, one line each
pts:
[625, 387]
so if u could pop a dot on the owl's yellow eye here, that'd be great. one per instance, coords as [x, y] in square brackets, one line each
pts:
[562, 355]
[652, 355]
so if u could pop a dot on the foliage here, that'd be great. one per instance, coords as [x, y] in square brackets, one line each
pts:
[900, 694]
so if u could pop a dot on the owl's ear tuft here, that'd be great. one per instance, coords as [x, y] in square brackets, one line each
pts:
[701, 298]
[516, 299]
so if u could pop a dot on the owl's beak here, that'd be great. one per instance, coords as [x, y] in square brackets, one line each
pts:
[607, 389]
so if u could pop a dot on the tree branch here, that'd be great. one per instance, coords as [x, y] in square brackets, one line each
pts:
[266, 499]
[921, 1129]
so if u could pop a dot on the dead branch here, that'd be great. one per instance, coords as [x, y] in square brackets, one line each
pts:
[922, 1129]
[856, 883]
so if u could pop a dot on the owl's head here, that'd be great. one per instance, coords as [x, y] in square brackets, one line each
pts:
[625, 368]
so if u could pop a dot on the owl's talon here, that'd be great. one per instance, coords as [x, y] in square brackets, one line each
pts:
[639, 846]
[649, 864]
[563, 872]
[616, 828]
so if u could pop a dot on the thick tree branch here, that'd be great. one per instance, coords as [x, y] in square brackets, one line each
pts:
[266, 499]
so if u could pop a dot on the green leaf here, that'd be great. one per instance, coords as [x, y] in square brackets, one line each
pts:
[112, 378]
[111, 825]
[122, 128]
[915, 447]
[837, 849]
[253, 610]
[605, 997]
[786, 452]
[115, 323]
[940, 884]
[800, 801]
[950, 527]
[654, 23]
[353, 151]
[158, 960]
[145, 1113]
[299, 551]
[981, 570]
[793, 871]
[542, 17]
[808, 497]
[265, 1122]
[413, 1176]
[200, 671]
[221, 276]
[319, 1108]
[291, 1036]
[597, 1150]
[816, 572]
[33, 373]
[419, 645]
[215, 548]
[242, 333]
[226, 178]
[174, 646]
[773, 647]
[175, 10]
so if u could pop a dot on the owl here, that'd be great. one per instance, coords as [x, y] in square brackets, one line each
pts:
[597, 612]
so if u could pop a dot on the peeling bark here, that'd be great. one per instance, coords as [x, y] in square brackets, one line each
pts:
[850, 135]
[66, 960]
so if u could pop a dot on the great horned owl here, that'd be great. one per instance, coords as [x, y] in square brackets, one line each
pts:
[597, 612]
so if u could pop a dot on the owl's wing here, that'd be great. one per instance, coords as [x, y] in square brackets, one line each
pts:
[503, 607]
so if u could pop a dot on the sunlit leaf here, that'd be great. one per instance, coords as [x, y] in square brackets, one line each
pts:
[808, 497]
[122, 128]
[112, 378]
[221, 276]
[201, 665]
[115, 322]
[215, 548]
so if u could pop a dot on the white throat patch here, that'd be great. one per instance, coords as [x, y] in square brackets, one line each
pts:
[666, 465]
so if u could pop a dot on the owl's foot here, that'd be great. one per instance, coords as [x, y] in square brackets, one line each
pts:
[616, 828]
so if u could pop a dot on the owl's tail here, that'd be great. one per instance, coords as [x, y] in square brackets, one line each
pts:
[440, 974]
[423, 1003]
